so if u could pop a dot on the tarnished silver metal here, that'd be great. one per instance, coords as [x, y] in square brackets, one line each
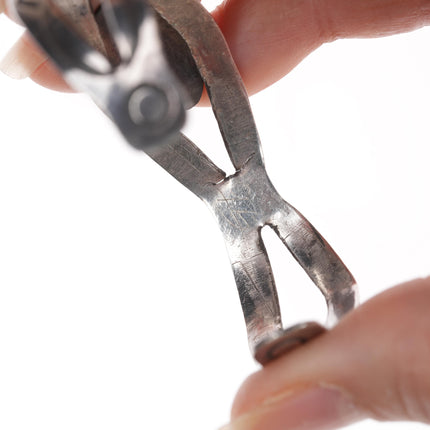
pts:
[242, 203]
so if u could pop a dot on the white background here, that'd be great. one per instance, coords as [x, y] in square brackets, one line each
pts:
[118, 308]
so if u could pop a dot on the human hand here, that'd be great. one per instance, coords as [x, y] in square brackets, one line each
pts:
[245, 399]
[267, 39]
[25, 59]
[375, 363]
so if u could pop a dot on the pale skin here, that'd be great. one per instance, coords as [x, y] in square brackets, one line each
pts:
[376, 362]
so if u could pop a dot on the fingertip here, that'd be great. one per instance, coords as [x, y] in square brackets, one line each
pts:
[377, 357]
[22, 58]
[48, 76]
[25, 59]
[244, 399]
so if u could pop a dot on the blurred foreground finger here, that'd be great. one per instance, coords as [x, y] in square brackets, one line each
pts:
[26, 59]
[375, 363]
[23, 59]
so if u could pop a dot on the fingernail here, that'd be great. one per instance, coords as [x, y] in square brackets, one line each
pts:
[319, 408]
[22, 60]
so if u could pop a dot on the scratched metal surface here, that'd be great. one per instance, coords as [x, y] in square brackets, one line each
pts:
[76, 322]
[247, 201]
[244, 202]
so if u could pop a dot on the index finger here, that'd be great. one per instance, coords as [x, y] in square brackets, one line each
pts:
[268, 39]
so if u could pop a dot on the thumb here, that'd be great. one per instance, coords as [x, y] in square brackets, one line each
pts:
[375, 363]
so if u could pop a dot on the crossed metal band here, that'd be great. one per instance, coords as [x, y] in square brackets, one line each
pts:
[247, 201]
